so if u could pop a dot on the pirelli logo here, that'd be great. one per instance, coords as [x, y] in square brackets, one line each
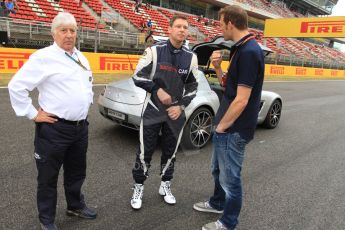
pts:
[117, 63]
[318, 72]
[13, 61]
[301, 71]
[334, 73]
[277, 70]
[323, 27]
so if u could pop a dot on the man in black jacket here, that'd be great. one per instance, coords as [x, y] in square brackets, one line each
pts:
[167, 73]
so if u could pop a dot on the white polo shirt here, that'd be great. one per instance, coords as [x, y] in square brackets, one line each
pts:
[65, 87]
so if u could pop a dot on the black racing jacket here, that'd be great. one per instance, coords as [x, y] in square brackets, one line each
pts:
[174, 70]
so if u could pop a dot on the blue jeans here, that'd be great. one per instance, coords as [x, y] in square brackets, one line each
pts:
[226, 168]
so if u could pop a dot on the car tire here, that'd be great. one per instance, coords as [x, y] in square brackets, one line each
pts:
[198, 129]
[273, 115]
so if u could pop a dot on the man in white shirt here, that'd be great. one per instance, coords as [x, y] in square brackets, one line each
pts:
[63, 78]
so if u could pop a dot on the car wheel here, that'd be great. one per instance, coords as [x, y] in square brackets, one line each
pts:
[273, 115]
[197, 131]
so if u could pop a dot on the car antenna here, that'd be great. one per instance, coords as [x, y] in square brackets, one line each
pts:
[130, 64]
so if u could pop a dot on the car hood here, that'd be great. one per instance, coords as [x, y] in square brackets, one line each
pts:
[204, 50]
[125, 92]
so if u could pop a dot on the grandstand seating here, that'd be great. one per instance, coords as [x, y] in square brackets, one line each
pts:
[46, 10]
[324, 53]
[295, 48]
[29, 10]
[126, 10]
[272, 7]
[160, 23]
[203, 25]
[160, 18]
[95, 5]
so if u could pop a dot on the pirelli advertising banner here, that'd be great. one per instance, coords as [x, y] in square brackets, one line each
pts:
[298, 71]
[12, 59]
[328, 27]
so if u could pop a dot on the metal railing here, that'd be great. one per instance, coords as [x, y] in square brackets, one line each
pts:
[19, 30]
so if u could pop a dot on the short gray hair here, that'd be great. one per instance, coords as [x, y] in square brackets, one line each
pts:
[63, 18]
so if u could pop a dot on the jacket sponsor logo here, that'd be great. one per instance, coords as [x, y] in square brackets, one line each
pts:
[117, 63]
[301, 71]
[13, 61]
[322, 27]
[182, 71]
[167, 68]
[277, 70]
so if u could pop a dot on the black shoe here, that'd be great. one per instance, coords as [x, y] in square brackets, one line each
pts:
[86, 213]
[48, 226]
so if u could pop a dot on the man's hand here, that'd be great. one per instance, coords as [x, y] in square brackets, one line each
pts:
[216, 59]
[221, 127]
[174, 112]
[164, 97]
[43, 116]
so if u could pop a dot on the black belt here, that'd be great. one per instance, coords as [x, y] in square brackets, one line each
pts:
[76, 123]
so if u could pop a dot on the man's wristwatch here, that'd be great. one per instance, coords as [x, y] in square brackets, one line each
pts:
[182, 107]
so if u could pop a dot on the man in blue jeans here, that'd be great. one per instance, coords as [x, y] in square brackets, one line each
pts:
[236, 118]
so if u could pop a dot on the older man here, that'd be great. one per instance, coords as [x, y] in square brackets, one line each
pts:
[63, 78]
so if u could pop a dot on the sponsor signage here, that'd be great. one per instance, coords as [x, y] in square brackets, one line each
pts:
[318, 72]
[277, 70]
[117, 63]
[12, 59]
[327, 27]
[297, 71]
[334, 73]
[301, 71]
[112, 63]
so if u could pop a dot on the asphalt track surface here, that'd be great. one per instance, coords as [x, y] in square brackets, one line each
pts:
[293, 175]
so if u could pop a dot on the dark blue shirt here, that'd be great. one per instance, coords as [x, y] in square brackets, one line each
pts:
[9, 5]
[149, 24]
[246, 69]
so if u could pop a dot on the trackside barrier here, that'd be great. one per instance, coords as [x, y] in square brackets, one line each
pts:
[296, 71]
[12, 59]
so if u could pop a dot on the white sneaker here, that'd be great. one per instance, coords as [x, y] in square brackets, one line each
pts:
[136, 200]
[164, 190]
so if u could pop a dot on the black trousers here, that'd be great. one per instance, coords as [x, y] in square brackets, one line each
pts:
[56, 145]
[152, 124]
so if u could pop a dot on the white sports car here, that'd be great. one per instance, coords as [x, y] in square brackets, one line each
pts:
[122, 101]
